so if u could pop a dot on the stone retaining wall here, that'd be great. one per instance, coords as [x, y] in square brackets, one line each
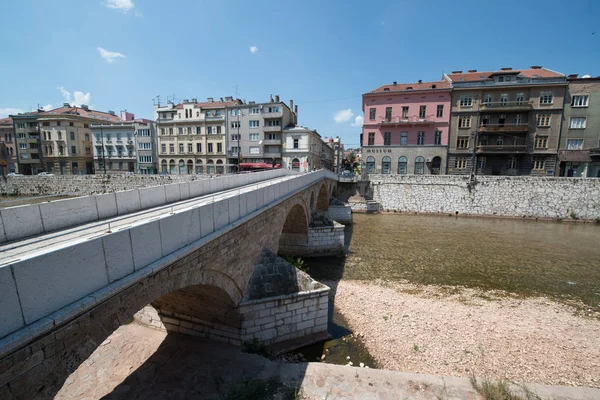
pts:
[320, 241]
[341, 214]
[530, 197]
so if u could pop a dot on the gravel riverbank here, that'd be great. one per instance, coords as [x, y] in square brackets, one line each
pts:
[458, 331]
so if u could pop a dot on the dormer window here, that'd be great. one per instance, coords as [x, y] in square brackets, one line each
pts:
[500, 79]
[386, 89]
[409, 88]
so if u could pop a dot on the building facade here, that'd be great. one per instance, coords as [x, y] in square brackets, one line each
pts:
[579, 153]
[192, 136]
[338, 154]
[505, 122]
[8, 158]
[146, 146]
[27, 142]
[405, 128]
[304, 150]
[255, 131]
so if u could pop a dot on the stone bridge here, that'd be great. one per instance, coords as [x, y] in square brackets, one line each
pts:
[208, 265]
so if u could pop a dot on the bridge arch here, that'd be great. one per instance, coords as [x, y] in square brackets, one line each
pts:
[323, 199]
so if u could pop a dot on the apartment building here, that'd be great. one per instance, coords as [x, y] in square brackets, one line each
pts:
[192, 136]
[255, 131]
[405, 129]
[126, 146]
[338, 154]
[304, 150]
[27, 143]
[505, 122]
[579, 153]
[7, 147]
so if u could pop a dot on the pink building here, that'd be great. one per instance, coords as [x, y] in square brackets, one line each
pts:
[405, 130]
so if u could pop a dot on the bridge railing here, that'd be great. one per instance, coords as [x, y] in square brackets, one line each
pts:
[46, 290]
[25, 221]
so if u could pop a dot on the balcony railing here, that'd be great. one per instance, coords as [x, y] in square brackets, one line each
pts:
[410, 120]
[506, 106]
[503, 149]
[214, 118]
[501, 128]
[276, 128]
[272, 154]
[595, 152]
[267, 142]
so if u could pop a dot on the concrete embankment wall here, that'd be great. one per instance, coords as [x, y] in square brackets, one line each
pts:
[340, 213]
[569, 198]
[320, 241]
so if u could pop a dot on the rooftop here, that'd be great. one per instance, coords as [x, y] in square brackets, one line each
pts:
[475, 76]
[407, 87]
[82, 112]
[6, 121]
[208, 104]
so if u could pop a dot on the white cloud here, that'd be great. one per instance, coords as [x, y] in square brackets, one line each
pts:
[358, 121]
[109, 56]
[5, 112]
[47, 107]
[123, 5]
[65, 93]
[343, 116]
[253, 49]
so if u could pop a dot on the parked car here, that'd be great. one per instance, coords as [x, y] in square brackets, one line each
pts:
[14, 174]
[45, 174]
[130, 173]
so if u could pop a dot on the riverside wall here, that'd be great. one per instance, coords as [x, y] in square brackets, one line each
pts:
[504, 196]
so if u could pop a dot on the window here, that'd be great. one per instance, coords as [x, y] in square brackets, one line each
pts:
[163, 148]
[422, 111]
[386, 165]
[371, 138]
[199, 147]
[73, 150]
[387, 138]
[541, 142]
[145, 146]
[580, 101]
[60, 136]
[403, 138]
[464, 122]
[500, 79]
[546, 98]
[438, 137]
[218, 130]
[22, 136]
[481, 161]
[190, 148]
[487, 99]
[170, 131]
[388, 113]
[23, 146]
[371, 114]
[45, 123]
[254, 110]
[235, 112]
[499, 141]
[209, 130]
[577, 123]
[254, 124]
[543, 120]
[88, 151]
[162, 131]
[419, 165]
[461, 163]
[61, 151]
[33, 146]
[421, 138]
[440, 111]
[518, 119]
[538, 163]
[512, 163]
[180, 130]
[273, 122]
[574, 144]
[198, 130]
[210, 147]
[296, 143]
[236, 137]
[57, 123]
[466, 100]
[235, 124]
[145, 159]
[171, 148]
[181, 147]
[254, 137]
[520, 98]
[462, 142]
[254, 150]
[504, 98]
[219, 147]
[405, 112]
[402, 166]
[370, 165]
[273, 109]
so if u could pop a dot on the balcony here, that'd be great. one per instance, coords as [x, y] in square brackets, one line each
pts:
[164, 120]
[504, 128]
[213, 118]
[595, 152]
[409, 121]
[271, 154]
[276, 114]
[503, 149]
[506, 106]
[275, 142]
[272, 128]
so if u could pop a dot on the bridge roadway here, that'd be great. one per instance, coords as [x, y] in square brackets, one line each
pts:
[34, 247]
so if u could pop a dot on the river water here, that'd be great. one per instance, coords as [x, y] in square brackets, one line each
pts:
[560, 260]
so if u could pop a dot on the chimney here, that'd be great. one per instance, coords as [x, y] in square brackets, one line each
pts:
[296, 112]
[194, 100]
[573, 76]
[276, 98]
[506, 69]
[221, 99]
[66, 105]
[457, 72]
[228, 98]
[271, 99]
[209, 99]
[420, 81]
[536, 67]
[111, 112]
[85, 107]
[292, 105]
[251, 102]
[395, 83]
[472, 70]
[186, 101]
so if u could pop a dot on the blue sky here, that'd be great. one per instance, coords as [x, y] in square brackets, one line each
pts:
[321, 54]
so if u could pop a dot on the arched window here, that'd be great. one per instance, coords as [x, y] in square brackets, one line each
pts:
[402, 166]
[220, 167]
[172, 169]
[370, 165]
[87, 137]
[295, 164]
[190, 167]
[163, 166]
[386, 165]
[419, 165]
[199, 167]
[181, 167]
[210, 167]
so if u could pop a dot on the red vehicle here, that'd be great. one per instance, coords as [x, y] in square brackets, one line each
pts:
[255, 167]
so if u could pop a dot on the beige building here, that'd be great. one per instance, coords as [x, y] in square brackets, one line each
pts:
[304, 150]
[505, 122]
[192, 136]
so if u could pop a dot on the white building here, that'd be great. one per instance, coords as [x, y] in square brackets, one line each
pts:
[304, 150]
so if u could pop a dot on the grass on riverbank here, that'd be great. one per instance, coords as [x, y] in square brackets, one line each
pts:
[501, 390]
